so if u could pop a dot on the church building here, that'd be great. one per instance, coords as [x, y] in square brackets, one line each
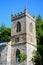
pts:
[23, 39]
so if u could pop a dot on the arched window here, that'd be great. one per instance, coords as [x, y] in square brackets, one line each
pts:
[31, 27]
[18, 26]
[17, 55]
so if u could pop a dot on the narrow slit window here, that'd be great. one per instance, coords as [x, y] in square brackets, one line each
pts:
[18, 27]
[17, 55]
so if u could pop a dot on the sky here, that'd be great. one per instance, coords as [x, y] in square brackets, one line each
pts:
[34, 7]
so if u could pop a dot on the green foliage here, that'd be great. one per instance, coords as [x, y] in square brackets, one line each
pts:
[4, 33]
[36, 58]
[39, 28]
[40, 50]
[22, 57]
[38, 55]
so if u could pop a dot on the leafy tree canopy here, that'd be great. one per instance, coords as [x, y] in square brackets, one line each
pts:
[39, 29]
[4, 33]
[38, 57]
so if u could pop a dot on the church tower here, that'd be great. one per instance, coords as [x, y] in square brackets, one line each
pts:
[23, 36]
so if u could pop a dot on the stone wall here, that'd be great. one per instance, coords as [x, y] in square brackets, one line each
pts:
[21, 47]
[3, 58]
[14, 26]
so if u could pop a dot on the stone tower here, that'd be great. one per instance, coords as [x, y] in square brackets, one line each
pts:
[23, 36]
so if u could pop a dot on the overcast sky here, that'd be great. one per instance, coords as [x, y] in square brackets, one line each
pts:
[34, 7]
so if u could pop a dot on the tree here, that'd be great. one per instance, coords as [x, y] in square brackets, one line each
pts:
[39, 28]
[38, 55]
[40, 50]
[5, 33]
[37, 58]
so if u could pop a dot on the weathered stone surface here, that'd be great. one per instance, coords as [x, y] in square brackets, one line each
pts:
[24, 41]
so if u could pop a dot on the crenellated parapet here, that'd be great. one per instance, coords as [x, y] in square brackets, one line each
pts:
[21, 14]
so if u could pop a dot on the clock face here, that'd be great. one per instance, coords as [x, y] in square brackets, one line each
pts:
[17, 39]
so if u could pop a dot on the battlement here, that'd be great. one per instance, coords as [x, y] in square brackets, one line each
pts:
[21, 14]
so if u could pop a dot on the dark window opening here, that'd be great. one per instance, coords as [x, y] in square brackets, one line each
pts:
[17, 55]
[18, 27]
